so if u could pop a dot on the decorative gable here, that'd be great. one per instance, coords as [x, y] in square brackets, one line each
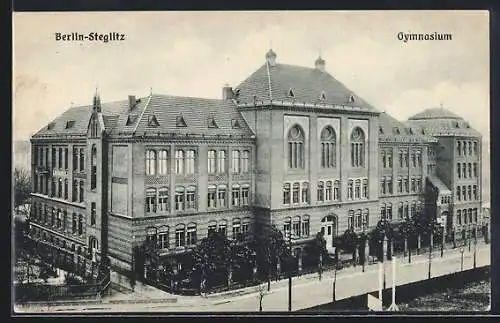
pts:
[235, 124]
[323, 96]
[179, 122]
[212, 123]
[152, 121]
[131, 119]
[290, 93]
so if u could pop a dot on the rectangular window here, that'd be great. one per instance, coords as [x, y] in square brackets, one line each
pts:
[237, 231]
[357, 189]
[464, 170]
[350, 189]
[73, 223]
[65, 158]
[180, 237]
[389, 159]
[211, 161]
[407, 185]
[82, 160]
[162, 162]
[328, 191]
[475, 169]
[80, 225]
[389, 185]
[212, 191]
[245, 196]
[223, 229]
[191, 198]
[350, 219]
[459, 196]
[212, 228]
[295, 193]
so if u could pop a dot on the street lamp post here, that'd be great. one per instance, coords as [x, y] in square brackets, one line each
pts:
[475, 244]
[290, 274]
[384, 259]
[430, 251]
[335, 275]
[442, 240]
[468, 235]
[462, 259]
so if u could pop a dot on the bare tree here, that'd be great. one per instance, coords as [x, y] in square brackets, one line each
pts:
[262, 291]
[22, 190]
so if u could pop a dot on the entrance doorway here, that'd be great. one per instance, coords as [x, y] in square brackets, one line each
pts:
[329, 229]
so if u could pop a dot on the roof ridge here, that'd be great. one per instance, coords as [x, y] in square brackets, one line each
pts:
[269, 81]
[142, 113]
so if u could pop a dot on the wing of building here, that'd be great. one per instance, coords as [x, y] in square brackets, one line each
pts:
[290, 146]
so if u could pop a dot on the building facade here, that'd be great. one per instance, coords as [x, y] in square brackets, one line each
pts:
[290, 146]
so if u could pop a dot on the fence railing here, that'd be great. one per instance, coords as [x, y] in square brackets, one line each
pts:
[42, 292]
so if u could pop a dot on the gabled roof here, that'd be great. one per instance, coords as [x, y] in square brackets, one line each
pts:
[392, 130]
[112, 112]
[274, 82]
[437, 183]
[195, 112]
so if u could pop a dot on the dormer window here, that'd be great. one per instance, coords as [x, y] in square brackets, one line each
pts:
[51, 126]
[381, 130]
[152, 121]
[423, 131]
[396, 130]
[70, 124]
[235, 124]
[179, 122]
[212, 123]
[467, 125]
[131, 119]
[323, 96]
[457, 125]
[410, 131]
[351, 98]
[290, 93]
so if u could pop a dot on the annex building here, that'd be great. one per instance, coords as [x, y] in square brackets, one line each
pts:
[289, 146]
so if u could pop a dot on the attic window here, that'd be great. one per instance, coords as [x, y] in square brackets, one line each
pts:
[467, 125]
[323, 96]
[235, 124]
[152, 121]
[132, 118]
[290, 93]
[381, 130]
[396, 130]
[351, 98]
[51, 125]
[212, 123]
[70, 124]
[423, 131]
[410, 130]
[457, 125]
[179, 122]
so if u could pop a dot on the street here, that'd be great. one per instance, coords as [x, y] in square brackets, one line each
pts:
[307, 290]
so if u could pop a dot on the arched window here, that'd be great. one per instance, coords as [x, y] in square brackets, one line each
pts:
[350, 188]
[305, 192]
[237, 229]
[221, 161]
[180, 235]
[211, 196]
[296, 226]
[459, 215]
[151, 200]
[328, 148]
[382, 212]
[163, 199]
[357, 189]
[163, 237]
[82, 159]
[59, 188]
[236, 161]
[191, 234]
[459, 148]
[221, 196]
[357, 148]
[244, 161]
[400, 210]
[150, 162]
[321, 191]
[305, 226]
[296, 140]
[179, 161]
[190, 158]
[162, 163]
[295, 192]
[66, 188]
[211, 161]
[336, 190]
[365, 218]
[81, 191]
[179, 198]
[212, 227]
[93, 170]
[388, 212]
[328, 191]
[357, 219]
[191, 198]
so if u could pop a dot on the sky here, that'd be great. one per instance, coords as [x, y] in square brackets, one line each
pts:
[196, 53]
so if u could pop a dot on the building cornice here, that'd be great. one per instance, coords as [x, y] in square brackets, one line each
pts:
[186, 139]
[303, 106]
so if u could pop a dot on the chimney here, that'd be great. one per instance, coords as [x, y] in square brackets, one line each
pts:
[271, 58]
[320, 64]
[227, 93]
[132, 102]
